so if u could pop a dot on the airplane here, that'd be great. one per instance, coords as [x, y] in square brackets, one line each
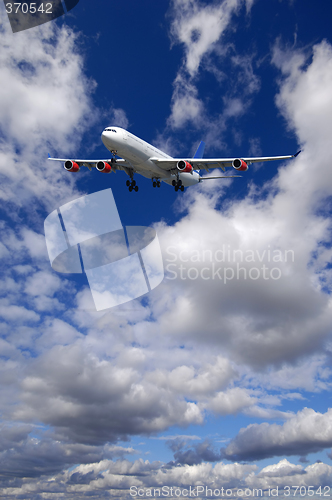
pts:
[133, 155]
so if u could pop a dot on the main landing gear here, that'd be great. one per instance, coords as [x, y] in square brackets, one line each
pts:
[178, 185]
[132, 185]
[156, 183]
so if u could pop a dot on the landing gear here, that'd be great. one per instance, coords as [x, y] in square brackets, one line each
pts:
[177, 185]
[156, 183]
[132, 185]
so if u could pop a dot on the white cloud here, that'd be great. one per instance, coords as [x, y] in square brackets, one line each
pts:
[43, 283]
[119, 118]
[44, 103]
[230, 402]
[186, 107]
[207, 380]
[281, 469]
[198, 27]
[305, 101]
[128, 403]
[306, 432]
[44, 93]
[16, 313]
[311, 374]
[116, 478]
[285, 474]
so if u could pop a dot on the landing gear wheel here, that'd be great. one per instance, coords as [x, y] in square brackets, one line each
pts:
[128, 183]
[182, 188]
[133, 183]
[179, 182]
[173, 182]
[154, 184]
[176, 188]
[158, 184]
[136, 188]
[130, 188]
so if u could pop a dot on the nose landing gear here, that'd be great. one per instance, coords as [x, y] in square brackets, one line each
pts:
[156, 183]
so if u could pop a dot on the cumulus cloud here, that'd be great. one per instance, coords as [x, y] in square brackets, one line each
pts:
[280, 312]
[122, 478]
[23, 453]
[206, 380]
[307, 432]
[284, 472]
[44, 102]
[92, 401]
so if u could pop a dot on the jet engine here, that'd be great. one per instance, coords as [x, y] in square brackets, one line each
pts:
[184, 166]
[102, 166]
[71, 166]
[240, 165]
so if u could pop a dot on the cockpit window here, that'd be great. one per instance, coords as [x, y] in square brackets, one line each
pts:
[110, 130]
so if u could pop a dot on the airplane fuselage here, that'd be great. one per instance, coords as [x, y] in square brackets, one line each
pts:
[139, 153]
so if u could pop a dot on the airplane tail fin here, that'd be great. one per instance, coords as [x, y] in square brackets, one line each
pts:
[200, 151]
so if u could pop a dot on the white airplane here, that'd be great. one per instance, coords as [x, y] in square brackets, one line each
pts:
[137, 156]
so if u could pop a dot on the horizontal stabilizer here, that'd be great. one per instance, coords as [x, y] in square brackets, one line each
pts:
[206, 178]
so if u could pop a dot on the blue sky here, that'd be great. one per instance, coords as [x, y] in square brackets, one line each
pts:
[207, 380]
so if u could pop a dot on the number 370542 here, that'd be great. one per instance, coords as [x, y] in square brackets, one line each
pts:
[28, 8]
[306, 491]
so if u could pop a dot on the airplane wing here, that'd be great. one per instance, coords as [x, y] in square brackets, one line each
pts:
[207, 163]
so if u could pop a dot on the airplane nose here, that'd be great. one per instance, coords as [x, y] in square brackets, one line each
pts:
[111, 137]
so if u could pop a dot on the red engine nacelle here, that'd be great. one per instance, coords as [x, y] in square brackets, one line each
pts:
[71, 166]
[102, 166]
[184, 166]
[240, 165]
